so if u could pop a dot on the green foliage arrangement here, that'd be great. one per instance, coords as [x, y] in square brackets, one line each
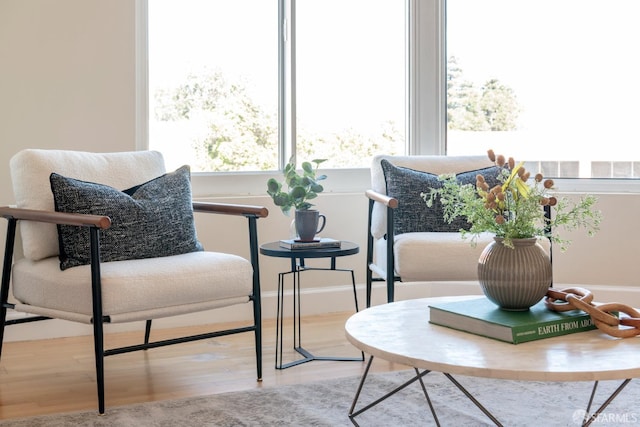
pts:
[301, 187]
[514, 208]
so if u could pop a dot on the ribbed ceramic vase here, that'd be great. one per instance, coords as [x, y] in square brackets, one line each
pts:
[514, 278]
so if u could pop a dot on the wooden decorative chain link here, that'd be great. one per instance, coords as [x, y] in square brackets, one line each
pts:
[601, 314]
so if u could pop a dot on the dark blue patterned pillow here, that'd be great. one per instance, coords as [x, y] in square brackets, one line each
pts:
[413, 214]
[150, 220]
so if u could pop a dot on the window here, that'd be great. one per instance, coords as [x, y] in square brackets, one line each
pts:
[213, 83]
[224, 96]
[350, 79]
[566, 69]
[552, 82]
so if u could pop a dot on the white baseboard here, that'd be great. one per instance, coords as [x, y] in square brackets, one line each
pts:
[314, 301]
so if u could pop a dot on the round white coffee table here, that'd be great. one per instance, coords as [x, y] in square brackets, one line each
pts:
[400, 332]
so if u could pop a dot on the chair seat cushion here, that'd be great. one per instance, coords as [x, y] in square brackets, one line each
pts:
[437, 256]
[434, 256]
[135, 289]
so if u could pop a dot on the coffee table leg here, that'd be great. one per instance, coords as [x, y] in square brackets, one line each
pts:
[418, 377]
[588, 419]
[473, 399]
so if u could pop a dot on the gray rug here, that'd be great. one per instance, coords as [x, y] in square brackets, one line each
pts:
[327, 403]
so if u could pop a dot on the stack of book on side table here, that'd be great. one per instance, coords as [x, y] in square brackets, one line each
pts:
[318, 243]
[482, 317]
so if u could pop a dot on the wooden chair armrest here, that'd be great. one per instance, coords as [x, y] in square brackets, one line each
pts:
[62, 218]
[389, 202]
[231, 209]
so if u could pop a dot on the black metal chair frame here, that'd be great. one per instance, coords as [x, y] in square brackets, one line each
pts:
[97, 223]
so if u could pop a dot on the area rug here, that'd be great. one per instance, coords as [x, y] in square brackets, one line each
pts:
[327, 403]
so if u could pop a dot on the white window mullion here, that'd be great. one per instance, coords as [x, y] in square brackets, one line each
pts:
[285, 89]
[426, 77]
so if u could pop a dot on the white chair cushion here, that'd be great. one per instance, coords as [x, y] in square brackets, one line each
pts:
[436, 256]
[30, 171]
[135, 289]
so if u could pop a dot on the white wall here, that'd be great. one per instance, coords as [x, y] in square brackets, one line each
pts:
[67, 81]
[67, 78]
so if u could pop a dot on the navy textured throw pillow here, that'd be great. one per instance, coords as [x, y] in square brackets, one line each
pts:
[412, 214]
[153, 219]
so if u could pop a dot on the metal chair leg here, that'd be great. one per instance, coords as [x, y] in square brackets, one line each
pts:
[147, 331]
[6, 276]
[98, 320]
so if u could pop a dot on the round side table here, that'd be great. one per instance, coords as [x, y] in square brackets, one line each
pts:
[297, 257]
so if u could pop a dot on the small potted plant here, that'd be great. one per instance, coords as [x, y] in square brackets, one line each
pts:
[301, 187]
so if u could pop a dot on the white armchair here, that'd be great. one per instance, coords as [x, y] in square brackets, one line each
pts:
[110, 237]
[408, 242]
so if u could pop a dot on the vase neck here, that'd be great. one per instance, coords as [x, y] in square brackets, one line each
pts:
[526, 241]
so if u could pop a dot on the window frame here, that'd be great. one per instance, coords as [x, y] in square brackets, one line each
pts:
[425, 92]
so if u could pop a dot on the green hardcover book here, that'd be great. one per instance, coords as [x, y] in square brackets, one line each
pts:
[482, 317]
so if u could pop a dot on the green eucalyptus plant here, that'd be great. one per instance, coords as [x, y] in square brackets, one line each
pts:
[300, 186]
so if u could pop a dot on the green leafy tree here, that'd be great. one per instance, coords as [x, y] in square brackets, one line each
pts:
[341, 148]
[238, 136]
[499, 106]
[494, 107]
[462, 100]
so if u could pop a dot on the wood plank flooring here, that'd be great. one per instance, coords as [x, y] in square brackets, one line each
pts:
[58, 375]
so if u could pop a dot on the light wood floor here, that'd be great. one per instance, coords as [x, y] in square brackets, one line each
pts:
[57, 375]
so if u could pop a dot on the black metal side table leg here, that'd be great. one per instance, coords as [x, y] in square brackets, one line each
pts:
[355, 299]
[297, 326]
[280, 320]
[296, 320]
[308, 356]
